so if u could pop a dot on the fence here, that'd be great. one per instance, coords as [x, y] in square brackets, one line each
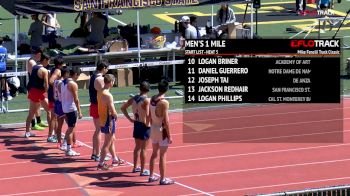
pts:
[342, 190]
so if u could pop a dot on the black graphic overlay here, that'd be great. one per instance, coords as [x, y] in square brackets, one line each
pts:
[263, 71]
[263, 91]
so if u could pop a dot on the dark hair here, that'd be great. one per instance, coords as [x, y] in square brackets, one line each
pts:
[144, 86]
[1, 40]
[38, 50]
[36, 16]
[221, 14]
[163, 86]
[74, 70]
[44, 57]
[58, 61]
[99, 14]
[64, 70]
[108, 78]
[102, 64]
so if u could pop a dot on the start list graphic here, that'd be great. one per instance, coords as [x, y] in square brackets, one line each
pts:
[262, 71]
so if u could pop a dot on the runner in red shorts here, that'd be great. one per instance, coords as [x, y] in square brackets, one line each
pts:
[96, 85]
[38, 86]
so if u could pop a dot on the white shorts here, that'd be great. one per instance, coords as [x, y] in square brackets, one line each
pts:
[157, 137]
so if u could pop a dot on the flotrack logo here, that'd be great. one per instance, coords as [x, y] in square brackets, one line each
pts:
[314, 43]
[321, 13]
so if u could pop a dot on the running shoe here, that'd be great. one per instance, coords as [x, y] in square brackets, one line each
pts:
[166, 181]
[118, 162]
[38, 127]
[63, 147]
[145, 173]
[136, 170]
[93, 157]
[51, 139]
[97, 158]
[153, 179]
[103, 167]
[42, 124]
[72, 153]
[28, 134]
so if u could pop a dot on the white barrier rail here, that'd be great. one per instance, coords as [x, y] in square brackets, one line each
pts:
[5, 108]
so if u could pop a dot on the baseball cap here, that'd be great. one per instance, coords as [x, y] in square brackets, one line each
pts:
[185, 19]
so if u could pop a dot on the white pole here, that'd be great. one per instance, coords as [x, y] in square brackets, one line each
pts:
[138, 42]
[16, 40]
[174, 68]
[251, 19]
[138, 37]
[212, 15]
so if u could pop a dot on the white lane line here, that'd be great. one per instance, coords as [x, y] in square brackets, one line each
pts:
[261, 168]
[242, 128]
[14, 163]
[274, 185]
[29, 176]
[234, 117]
[259, 153]
[186, 186]
[44, 191]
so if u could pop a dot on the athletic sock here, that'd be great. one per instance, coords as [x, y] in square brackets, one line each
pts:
[38, 119]
[33, 123]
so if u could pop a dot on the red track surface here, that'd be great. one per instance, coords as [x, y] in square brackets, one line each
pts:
[213, 167]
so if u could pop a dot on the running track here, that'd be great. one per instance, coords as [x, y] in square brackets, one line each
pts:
[240, 162]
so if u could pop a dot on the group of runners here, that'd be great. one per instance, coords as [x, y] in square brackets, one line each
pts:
[57, 92]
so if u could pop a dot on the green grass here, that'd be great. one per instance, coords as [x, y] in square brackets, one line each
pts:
[119, 94]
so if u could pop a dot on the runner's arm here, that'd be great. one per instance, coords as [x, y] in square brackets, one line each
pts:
[165, 108]
[145, 105]
[46, 79]
[110, 105]
[30, 65]
[74, 90]
[54, 76]
[124, 109]
[99, 83]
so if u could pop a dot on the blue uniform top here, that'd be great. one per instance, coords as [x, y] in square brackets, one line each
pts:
[34, 80]
[3, 57]
[50, 90]
[92, 90]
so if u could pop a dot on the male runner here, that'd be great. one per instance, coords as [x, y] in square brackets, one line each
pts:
[55, 74]
[96, 85]
[58, 104]
[31, 62]
[160, 132]
[140, 108]
[71, 107]
[38, 85]
[108, 117]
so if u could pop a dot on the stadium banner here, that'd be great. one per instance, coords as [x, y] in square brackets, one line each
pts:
[18, 7]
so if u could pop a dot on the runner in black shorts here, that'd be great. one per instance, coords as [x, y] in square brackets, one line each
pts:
[140, 108]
